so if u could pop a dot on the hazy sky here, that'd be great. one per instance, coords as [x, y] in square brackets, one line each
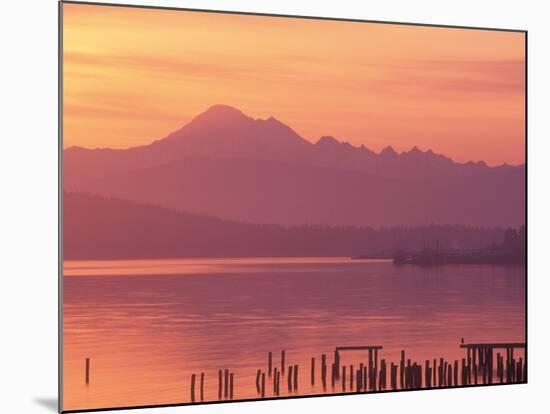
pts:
[132, 76]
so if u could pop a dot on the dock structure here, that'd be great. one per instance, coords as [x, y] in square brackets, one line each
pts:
[358, 348]
[481, 361]
[371, 372]
[500, 345]
[485, 363]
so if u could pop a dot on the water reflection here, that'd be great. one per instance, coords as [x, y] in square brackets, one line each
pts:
[148, 325]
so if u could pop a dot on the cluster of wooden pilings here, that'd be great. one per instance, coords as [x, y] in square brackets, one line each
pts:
[481, 365]
[372, 375]
[201, 387]
[369, 376]
[378, 375]
[226, 385]
[275, 374]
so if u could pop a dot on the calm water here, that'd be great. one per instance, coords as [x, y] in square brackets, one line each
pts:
[148, 325]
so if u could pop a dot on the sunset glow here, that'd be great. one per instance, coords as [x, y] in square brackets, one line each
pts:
[248, 195]
[132, 76]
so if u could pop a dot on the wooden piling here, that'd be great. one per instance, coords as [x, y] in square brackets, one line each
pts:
[202, 386]
[313, 371]
[382, 380]
[510, 369]
[231, 386]
[258, 376]
[283, 363]
[513, 362]
[475, 365]
[370, 369]
[263, 384]
[427, 373]
[295, 372]
[193, 388]
[499, 368]
[324, 370]
[269, 363]
[501, 375]
[455, 371]
[220, 384]
[87, 371]
[380, 376]
[351, 374]
[362, 377]
[289, 379]
[490, 364]
[393, 376]
[502, 369]
[402, 370]
[485, 371]
[226, 384]
[469, 364]
[336, 365]
[344, 378]
[507, 376]
[521, 377]
[375, 373]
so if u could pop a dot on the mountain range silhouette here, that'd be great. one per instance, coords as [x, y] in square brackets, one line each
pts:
[228, 165]
[97, 227]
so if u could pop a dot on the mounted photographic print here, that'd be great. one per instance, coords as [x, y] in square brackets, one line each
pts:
[257, 206]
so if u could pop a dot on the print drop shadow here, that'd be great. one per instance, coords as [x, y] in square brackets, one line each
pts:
[49, 403]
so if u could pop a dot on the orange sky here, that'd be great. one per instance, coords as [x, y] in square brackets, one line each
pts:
[132, 76]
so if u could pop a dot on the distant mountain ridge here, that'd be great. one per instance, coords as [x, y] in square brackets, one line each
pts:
[226, 164]
[223, 131]
[97, 227]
